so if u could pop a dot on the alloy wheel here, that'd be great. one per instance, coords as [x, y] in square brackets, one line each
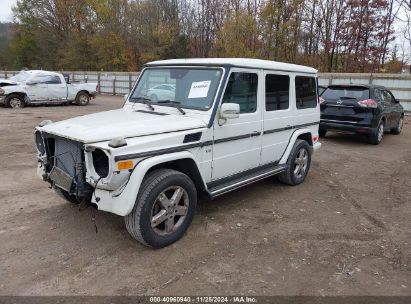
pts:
[380, 132]
[83, 99]
[169, 210]
[400, 124]
[16, 103]
[300, 163]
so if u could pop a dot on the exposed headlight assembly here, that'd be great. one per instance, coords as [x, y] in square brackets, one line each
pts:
[39, 143]
[100, 162]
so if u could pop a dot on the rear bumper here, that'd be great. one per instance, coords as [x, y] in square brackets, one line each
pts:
[316, 146]
[345, 126]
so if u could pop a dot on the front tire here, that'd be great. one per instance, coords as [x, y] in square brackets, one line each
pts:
[82, 99]
[164, 208]
[14, 101]
[298, 164]
[378, 134]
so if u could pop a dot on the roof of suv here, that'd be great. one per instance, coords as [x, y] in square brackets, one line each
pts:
[238, 62]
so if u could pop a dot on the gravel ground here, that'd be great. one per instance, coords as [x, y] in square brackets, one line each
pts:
[345, 231]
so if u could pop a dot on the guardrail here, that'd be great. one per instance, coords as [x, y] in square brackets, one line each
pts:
[120, 83]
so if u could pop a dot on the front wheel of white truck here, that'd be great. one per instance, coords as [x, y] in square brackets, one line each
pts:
[164, 208]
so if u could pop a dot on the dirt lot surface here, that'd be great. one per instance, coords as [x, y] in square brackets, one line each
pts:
[345, 231]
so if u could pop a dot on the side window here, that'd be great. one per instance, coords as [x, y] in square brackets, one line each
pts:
[388, 97]
[39, 79]
[53, 80]
[306, 92]
[277, 92]
[242, 89]
[378, 95]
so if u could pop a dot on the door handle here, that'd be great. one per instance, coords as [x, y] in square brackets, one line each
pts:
[255, 133]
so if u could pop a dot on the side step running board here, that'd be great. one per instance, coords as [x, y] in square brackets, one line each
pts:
[244, 180]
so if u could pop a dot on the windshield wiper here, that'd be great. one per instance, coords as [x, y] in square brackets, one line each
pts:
[144, 100]
[174, 104]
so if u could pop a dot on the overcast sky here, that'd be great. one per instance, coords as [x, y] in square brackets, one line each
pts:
[5, 11]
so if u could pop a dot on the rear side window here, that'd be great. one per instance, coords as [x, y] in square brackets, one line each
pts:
[53, 80]
[242, 89]
[388, 97]
[306, 92]
[277, 92]
[39, 79]
[337, 92]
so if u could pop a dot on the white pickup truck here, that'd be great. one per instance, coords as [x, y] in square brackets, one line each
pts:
[33, 87]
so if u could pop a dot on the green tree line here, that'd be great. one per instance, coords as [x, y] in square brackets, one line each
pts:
[122, 35]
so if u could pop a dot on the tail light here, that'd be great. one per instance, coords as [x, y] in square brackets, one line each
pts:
[321, 100]
[368, 103]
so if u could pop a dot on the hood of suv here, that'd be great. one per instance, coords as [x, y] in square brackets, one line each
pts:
[120, 123]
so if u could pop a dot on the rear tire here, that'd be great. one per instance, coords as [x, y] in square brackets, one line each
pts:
[82, 99]
[397, 130]
[322, 132]
[14, 101]
[298, 164]
[164, 208]
[378, 134]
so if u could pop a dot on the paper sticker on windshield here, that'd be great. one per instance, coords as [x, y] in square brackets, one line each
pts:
[199, 89]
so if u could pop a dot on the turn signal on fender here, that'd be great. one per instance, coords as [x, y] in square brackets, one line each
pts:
[125, 165]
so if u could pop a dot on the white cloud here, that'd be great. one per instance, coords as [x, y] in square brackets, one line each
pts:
[5, 11]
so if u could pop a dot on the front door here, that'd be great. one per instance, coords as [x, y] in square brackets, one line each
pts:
[37, 88]
[237, 142]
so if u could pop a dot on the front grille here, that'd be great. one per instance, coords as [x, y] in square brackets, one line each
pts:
[68, 156]
[65, 163]
[62, 179]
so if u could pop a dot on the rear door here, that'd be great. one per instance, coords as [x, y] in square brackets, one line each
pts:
[341, 103]
[57, 89]
[393, 108]
[385, 103]
[277, 112]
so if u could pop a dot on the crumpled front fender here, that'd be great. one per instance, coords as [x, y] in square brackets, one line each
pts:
[122, 200]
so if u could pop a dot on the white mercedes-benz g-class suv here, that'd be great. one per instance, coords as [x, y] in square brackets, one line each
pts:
[230, 122]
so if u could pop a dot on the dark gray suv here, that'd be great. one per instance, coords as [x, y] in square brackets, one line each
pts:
[364, 109]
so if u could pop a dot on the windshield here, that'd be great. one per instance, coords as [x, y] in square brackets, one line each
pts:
[187, 87]
[20, 77]
[334, 93]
